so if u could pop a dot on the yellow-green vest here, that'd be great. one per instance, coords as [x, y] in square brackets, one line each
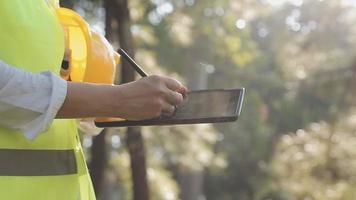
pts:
[52, 166]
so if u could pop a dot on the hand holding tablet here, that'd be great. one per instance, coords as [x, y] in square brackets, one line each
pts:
[202, 106]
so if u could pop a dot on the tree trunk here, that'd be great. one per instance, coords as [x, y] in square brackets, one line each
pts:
[109, 17]
[134, 138]
[99, 162]
[99, 152]
[191, 181]
[191, 184]
[67, 3]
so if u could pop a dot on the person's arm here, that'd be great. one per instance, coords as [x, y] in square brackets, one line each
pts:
[29, 102]
[146, 98]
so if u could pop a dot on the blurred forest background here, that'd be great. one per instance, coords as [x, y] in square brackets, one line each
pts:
[296, 138]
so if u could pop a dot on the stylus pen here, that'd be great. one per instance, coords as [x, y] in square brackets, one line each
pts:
[137, 68]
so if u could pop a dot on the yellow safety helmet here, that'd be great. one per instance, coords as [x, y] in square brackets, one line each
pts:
[91, 57]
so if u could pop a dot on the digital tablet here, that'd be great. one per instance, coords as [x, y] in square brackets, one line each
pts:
[201, 106]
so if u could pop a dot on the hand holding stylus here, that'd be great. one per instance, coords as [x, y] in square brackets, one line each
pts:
[149, 97]
[167, 92]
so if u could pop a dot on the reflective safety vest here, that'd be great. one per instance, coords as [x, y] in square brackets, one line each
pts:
[52, 166]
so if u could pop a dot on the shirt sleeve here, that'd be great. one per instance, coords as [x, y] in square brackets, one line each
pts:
[29, 102]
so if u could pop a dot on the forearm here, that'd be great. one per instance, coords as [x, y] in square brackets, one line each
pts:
[143, 99]
[89, 100]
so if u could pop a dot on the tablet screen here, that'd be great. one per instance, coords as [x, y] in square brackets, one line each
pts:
[207, 104]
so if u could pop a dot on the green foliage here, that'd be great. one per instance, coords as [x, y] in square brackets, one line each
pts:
[319, 162]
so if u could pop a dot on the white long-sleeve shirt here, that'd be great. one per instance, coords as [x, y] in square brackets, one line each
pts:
[29, 102]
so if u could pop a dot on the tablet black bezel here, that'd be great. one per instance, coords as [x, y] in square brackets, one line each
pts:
[171, 121]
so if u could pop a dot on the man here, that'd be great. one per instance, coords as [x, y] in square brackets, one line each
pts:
[41, 157]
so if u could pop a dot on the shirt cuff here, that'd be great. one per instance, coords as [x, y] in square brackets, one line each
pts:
[43, 122]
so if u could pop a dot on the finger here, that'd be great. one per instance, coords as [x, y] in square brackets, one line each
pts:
[168, 109]
[175, 85]
[183, 90]
[174, 98]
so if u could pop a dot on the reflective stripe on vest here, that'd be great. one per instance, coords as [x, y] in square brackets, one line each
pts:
[19, 162]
